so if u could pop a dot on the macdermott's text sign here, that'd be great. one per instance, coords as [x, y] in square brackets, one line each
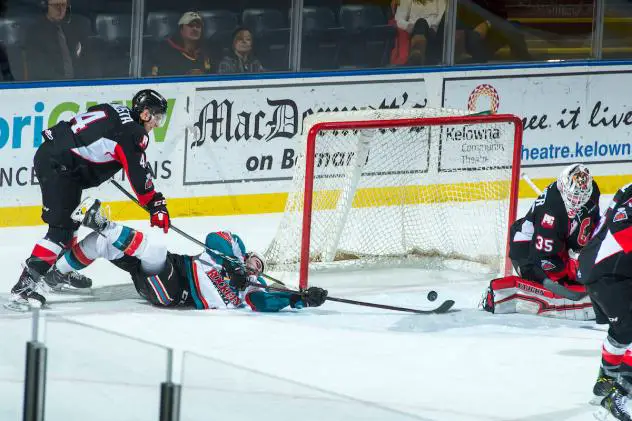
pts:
[568, 117]
[250, 133]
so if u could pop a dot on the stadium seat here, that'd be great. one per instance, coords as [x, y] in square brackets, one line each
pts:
[260, 20]
[368, 37]
[160, 25]
[113, 40]
[321, 37]
[219, 26]
[12, 37]
[272, 48]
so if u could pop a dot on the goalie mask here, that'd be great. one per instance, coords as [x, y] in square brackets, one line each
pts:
[575, 186]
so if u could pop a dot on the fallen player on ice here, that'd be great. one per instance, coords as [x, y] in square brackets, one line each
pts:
[561, 219]
[166, 279]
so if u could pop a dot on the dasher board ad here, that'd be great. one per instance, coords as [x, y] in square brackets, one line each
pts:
[251, 133]
[571, 117]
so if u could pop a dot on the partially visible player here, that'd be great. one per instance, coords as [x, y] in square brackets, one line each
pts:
[82, 153]
[605, 267]
[560, 220]
[165, 279]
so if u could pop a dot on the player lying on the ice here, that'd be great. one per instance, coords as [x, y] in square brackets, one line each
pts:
[167, 279]
[562, 218]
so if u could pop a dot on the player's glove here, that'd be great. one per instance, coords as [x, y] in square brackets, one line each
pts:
[237, 275]
[311, 297]
[158, 213]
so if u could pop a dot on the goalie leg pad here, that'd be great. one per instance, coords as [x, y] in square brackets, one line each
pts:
[513, 294]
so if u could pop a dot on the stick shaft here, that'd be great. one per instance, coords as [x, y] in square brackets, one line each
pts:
[531, 183]
[187, 236]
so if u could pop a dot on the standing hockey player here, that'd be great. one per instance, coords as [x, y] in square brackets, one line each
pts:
[82, 153]
[605, 267]
[165, 279]
[561, 219]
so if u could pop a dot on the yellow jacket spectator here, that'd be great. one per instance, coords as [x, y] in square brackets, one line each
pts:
[183, 53]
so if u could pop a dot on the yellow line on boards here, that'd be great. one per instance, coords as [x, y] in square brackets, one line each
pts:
[252, 204]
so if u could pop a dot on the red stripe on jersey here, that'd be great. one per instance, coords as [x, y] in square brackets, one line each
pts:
[226, 236]
[556, 276]
[81, 256]
[120, 157]
[249, 302]
[627, 358]
[624, 238]
[134, 244]
[611, 359]
[197, 286]
[44, 254]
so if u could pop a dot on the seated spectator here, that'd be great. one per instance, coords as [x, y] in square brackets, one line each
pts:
[424, 21]
[489, 20]
[241, 60]
[57, 46]
[183, 53]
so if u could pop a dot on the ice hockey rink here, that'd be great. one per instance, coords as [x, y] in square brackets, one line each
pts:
[107, 351]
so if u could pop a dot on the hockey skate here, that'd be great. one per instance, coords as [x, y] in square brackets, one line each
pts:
[602, 387]
[90, 214]
[28, 292]
[57, 280]
[616, 404]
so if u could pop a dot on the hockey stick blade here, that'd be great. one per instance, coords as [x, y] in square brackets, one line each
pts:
[560, 290]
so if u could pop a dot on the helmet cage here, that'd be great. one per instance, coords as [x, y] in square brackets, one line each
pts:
[575, 186]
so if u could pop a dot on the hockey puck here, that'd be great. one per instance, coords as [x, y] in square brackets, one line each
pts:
[432, 295]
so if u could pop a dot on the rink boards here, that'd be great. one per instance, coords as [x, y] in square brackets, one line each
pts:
[229, 145]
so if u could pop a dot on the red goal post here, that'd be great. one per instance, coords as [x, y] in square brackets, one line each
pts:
[491, 134]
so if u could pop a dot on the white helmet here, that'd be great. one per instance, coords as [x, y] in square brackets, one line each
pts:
[575, 186]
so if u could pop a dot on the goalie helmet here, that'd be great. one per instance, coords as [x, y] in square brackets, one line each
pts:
[575, 186]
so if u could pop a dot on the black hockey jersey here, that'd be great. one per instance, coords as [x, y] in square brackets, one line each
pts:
[95, 145]
[608, 251]
[544, 236]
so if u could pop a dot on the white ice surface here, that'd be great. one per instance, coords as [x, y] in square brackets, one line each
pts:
[336, 362]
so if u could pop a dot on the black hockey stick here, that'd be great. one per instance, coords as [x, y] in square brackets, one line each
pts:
[179, 231]
[443, 308]
[562, 291]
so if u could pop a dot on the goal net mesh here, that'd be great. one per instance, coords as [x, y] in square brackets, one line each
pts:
[438, 185]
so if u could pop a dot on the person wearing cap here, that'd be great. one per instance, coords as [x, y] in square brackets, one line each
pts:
[183, 53]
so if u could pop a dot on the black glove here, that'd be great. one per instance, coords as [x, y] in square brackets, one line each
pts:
[314, 296]
[158, 213]
[237, 275]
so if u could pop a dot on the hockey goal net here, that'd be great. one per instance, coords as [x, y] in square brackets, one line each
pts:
[399, 186]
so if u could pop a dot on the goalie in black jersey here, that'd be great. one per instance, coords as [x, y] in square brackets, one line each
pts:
[82, 153]
[605, 267]
[560, 220]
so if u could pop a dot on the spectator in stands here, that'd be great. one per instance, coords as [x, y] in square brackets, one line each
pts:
[424, 21]
[183, 53]
[57, 46]
[489, 20]
[242, 59]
